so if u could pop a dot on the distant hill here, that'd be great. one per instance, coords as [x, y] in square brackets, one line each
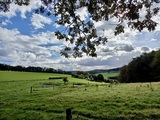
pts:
[104, 70]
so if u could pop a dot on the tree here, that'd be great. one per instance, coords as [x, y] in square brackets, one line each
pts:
[123, 74]
[144, 68]
[82, 33]
[155, 65]
[65, 80]
[139, 69]
[100, 77]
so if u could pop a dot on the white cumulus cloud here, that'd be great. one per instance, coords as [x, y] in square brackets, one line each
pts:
[13, 9]
[39, 21]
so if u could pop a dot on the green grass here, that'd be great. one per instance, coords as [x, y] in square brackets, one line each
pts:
[11, 76]
[134, 101]
[109, 74]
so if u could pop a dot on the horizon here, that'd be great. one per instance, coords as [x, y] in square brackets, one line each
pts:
[63, 70]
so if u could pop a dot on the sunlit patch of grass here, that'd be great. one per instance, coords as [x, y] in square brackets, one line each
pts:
[121, 101]
[106, 75]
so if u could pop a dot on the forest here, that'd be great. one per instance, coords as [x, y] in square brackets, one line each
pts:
[5, 67]
[145, 68]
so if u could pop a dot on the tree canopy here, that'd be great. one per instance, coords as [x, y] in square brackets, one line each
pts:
[5, 67]
[81, 33]
[145, 68]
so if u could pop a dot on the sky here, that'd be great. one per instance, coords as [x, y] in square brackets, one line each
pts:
[28, 39]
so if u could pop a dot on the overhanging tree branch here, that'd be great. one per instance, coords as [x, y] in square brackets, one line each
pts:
[82, 33]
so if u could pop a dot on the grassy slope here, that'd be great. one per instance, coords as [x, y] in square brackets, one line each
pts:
[11, 76]
[107, 74]
[122, 101]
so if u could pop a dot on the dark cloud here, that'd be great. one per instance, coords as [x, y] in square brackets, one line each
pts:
[4, 52]
[126, 48]
[145, 49]
[106, 50]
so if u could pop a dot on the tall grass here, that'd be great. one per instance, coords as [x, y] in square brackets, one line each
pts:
[121, 101]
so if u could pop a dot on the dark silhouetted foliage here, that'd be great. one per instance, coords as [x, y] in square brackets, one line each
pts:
[144, 68]
[100, 78]
[65, 80]
[82, 33]
[31, 69]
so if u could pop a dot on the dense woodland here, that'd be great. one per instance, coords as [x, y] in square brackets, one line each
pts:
[31, 69]
[145, 68]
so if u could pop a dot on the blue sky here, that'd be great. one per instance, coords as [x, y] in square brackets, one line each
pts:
[28, 39]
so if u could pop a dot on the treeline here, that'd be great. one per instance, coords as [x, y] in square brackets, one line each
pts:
[88, 76]
[145, 68]
[6, 67]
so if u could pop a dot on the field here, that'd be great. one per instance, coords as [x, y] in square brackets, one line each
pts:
[111, 74]
[31, 96]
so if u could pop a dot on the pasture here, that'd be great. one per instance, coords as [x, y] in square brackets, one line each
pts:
[88, 100]
[111, 74]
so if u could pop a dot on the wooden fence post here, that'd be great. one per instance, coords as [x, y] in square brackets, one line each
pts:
[97, 87]
[53, 86]
[31, 89]
[68, 114]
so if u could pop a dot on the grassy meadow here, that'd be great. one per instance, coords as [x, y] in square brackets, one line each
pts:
[49, 99]
[109, 74]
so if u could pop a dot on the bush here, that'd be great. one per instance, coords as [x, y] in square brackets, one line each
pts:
[100, 78]
[65, 80]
